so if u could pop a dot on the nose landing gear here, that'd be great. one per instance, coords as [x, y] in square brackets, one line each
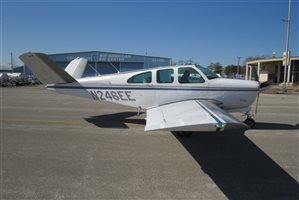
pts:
[250, 122]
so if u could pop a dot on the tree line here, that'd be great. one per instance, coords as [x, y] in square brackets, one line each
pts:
[229, 70]
[233, 69]
[216, 67]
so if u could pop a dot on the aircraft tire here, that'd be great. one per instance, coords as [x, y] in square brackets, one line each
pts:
[183, 133]
[250, 122]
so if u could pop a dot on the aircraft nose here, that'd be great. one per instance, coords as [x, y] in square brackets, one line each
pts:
[250, 84]
[256, 84]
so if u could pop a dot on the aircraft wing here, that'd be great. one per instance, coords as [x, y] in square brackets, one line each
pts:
[190, 115]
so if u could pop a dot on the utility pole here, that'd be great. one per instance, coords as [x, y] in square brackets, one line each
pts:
[287, 54]
[238, 69]
[11, 61]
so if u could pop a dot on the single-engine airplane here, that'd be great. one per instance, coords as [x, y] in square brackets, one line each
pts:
[181, 99]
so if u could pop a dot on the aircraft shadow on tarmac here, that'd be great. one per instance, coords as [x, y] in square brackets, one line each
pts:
[275, 126]
[115, 120]
[237, 166]
[119, 120]
[240, 168]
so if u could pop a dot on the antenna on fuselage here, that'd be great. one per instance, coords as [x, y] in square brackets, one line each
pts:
[114, 67]
[98, 73]
[95, 70]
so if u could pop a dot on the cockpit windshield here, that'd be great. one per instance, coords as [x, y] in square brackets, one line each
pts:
[209, 74]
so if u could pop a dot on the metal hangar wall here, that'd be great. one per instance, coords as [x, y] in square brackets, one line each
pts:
[100, 62]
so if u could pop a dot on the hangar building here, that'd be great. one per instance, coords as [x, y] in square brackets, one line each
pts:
[100, 62]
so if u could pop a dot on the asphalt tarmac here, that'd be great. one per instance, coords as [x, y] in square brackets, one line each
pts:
[56, 146]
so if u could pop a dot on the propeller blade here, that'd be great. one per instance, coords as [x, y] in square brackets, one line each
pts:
[257, 102]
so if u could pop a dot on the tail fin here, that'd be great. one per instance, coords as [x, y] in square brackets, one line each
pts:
[76, 67]
[45, 69]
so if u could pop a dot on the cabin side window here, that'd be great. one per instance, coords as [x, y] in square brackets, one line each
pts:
[165, 76]
[145, 77]
[189, 75]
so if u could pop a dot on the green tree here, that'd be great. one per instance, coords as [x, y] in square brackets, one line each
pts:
[216, 67]
[231, 69]
[242, 70]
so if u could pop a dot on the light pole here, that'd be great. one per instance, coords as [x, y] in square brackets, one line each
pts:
[287, 56]
[238, 69]
[11, 61]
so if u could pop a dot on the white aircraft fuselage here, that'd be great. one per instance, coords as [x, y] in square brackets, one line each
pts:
[229, 94]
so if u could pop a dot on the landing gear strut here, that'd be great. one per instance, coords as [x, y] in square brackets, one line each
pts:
[182, 133]
[249, 122]
[139, 111]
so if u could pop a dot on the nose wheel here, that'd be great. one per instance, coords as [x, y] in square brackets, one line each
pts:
[250, 122]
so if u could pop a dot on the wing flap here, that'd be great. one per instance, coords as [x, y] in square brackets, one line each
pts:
[191, 115]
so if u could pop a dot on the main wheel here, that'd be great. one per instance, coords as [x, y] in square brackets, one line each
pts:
[183, 133]
[250, 122]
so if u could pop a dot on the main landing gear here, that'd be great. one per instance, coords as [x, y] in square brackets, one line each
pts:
[182, 133]
[250, 122]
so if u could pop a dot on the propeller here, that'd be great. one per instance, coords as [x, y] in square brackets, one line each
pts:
[263, 86]
[257, 102]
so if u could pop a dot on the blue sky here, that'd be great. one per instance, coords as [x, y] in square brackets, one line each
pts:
[204, 31]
